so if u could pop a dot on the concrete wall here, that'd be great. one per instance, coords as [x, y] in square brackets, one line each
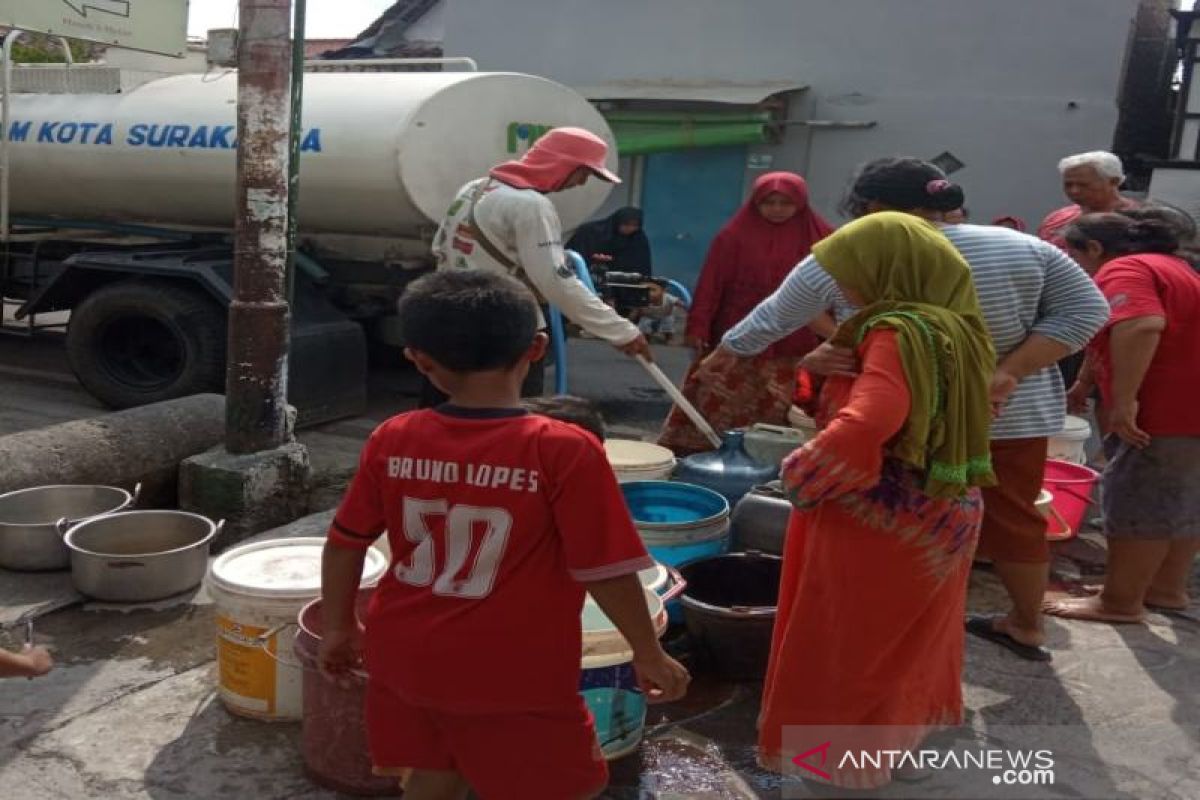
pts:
[1008, 87]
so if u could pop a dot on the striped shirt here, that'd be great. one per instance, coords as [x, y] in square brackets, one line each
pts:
[1025, 286]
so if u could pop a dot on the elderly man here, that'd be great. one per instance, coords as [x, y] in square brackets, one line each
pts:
[504, 222]
[1092, 182]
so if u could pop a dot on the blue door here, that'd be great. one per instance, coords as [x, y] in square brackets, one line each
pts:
[686, 198]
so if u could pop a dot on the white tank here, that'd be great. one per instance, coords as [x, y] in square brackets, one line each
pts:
[383, 154]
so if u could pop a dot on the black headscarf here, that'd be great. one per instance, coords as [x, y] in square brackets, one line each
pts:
[629, 253]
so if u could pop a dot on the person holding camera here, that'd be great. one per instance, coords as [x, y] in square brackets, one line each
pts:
[747, 261]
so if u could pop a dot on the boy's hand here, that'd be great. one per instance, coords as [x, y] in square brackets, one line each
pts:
[340, 651]
[662, 678]
[38, 659]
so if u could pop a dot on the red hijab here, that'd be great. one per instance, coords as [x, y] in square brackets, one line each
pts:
[776, 247]
[750, 257]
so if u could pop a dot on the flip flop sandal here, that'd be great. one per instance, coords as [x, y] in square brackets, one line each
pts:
[983, 627]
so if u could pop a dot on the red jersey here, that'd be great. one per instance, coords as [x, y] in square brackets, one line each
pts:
[1165, 286]
[495, 518]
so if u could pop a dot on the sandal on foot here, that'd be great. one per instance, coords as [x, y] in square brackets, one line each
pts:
[984, 627]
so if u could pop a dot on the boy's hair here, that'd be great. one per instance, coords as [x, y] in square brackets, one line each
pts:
[468, 320]
[568, 408]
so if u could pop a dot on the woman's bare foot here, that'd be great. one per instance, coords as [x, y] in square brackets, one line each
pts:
[1033, 638]
[1091, 609]
[1169, 602]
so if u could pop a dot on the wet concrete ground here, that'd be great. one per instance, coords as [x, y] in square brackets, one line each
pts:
[130, 712]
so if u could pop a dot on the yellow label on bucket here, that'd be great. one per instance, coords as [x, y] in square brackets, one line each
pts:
[246, 665]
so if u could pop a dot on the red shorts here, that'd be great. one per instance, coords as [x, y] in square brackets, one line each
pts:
[524, 756]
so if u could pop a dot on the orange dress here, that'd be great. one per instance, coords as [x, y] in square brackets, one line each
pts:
[869, 631]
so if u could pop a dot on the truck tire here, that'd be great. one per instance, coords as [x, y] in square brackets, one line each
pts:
[138, 342]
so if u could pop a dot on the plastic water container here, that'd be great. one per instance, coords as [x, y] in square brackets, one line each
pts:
[1070, 486]
[802, 421]
[1070, 444]
[639, 461]
[334, 736]
[608, 683]
[771, 444]
[730, 604]
[259, 590]
[678, 522]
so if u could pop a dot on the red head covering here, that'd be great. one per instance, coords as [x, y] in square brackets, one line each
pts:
[749, 259]
[552, 159]
[1016, 223]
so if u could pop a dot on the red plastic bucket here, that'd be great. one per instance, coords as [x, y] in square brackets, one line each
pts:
[1071, 485]
[334, 738]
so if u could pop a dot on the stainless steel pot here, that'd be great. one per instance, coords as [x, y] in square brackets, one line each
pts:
[32, 521]
[136, 556]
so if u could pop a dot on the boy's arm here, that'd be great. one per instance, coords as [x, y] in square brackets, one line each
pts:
[623, 600]
[356, 525]
[31, 663]
[604, 553]
[341, 571]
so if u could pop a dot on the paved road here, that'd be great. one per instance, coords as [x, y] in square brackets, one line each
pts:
[37, 387]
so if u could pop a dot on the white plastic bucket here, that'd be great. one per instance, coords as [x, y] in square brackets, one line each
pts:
[608, 683]
[259, 590]
[639, 461]
[1070, 444]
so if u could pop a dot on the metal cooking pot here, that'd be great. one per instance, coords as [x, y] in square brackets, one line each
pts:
[136, 556]
[32, 521]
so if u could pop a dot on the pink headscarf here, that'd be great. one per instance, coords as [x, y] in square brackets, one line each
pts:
[552, 159]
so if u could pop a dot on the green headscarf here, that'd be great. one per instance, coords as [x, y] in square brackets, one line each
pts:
[916, 283]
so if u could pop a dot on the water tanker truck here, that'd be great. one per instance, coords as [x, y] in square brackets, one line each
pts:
[123, 207]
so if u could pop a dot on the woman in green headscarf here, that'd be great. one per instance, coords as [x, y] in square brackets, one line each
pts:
[869, 628]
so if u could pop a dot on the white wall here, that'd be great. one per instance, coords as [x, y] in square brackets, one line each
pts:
[990, 80]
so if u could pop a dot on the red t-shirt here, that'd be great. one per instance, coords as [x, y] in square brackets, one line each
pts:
[494, 520]
[1165, 286]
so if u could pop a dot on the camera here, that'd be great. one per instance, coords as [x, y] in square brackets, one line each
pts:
[624, 291]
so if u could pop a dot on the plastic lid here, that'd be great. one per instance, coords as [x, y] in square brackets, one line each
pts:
[1077, 425]
[283, 568]
[630, 454]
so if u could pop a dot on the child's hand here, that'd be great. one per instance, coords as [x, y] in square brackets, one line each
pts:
[662, 678]
[340, 651]
[38, 659]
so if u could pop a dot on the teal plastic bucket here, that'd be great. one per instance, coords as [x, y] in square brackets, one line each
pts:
[679, 523]
[608, 683]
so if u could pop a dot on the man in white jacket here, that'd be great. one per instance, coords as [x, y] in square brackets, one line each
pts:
[505, 223]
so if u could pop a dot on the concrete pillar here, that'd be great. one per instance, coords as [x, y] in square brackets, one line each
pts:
[140, 445]
[256, 378]
[250, 491]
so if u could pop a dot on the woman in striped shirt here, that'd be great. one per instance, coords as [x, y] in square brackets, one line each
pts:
[1039, 306]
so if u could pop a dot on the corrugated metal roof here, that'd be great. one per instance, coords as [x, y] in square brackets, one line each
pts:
[706, 91]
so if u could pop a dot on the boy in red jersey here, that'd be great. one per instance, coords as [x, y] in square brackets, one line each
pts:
[498, 520]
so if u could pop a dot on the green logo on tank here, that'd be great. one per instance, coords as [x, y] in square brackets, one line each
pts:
[523, 134]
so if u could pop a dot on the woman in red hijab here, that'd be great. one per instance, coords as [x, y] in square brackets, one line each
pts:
[746, 262]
